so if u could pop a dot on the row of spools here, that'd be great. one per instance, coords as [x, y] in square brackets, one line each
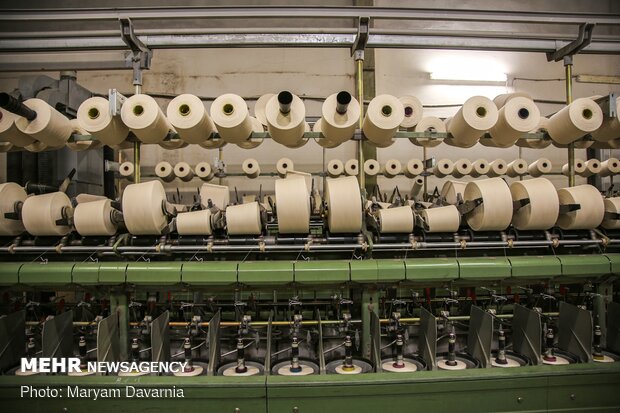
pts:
[506, 119]
[484, 205]
[391, 168]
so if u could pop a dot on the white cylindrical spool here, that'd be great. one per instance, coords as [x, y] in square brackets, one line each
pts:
[40, 213]
[283, 166]
[243, 219]
[497, 168]
[480, 167]
[143, 210]
[83, 198]
[580, 168]
[501, 100]
[339, 127]
[9, 132]
[293, 205]
[259, 108]
[126, 170]
[414, 168]
[383, 118]
[477, 115]
[183, 171]
[219, 195]
[164, 171]
[539, 167]
[612, 205]
[49, 127]
[592, 210]
[230, 114]
[252, 142]
[443, 168]
[396, 220]
[541, 212]
[212, 143]
[251, 168]
[145, 119]
[10, 195]
[429, 124]
[286, 128]
[194, 223]
[94, 218]
[189, 118]
[517, 116]
[516, 168]
[575, 120]
[610, 167]
[413, 111]
[323, 141]
[416, 188]
[495, 212]
[372, 167]
[610, 128]
[593, 167]
[173, 144]
[392, 168]
[462, 167]
[204, 171]
[344, 205]
[451, 190]
[536, 143]
[335, 168]
[95, 117]
[77, 129]
[351, 167]
[442, 219]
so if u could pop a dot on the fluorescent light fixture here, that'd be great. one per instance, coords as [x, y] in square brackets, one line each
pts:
[461, 74]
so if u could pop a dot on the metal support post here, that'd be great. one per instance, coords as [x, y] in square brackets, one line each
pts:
[118, 304]
[568, 66]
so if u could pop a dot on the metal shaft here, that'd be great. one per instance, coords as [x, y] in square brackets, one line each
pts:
[568, 66]
[10, 104]
[360, 96]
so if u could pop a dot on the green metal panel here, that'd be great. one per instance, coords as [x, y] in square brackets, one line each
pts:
[585, 393]
[209, 273]
[9, 273]
[391, 270]
[322, 272]
[540, 267]
[86, 273]
[51, 273]
[154, 273]
[265, 272]
[112, 273]
[614, 259]
[363, 270]
[431, 269]
[484, 268]
[584, 265]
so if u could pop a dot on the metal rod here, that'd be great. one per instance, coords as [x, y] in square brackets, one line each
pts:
[136, 162]
[568, 66]
[360, 96]
[288, 323]
[324, 12]
[9, 103]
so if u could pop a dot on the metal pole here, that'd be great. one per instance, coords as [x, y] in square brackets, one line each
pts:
[568, 66]
[136, 150]
[359, 58]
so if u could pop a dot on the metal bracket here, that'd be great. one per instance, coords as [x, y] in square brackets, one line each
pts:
[583, 39]
[608, 104]
[566, 208]
[361, 38]
[468, 206]
[116, 100]
[520, 203]
[141, 55]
